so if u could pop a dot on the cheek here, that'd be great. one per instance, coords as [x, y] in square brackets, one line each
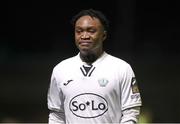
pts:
[76, 40]
[98, 38]
[77, 36]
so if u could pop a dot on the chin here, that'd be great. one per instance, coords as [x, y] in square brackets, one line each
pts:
[84, 50]
[88, 56]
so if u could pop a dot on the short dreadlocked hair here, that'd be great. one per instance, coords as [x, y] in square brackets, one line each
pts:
[92, 13]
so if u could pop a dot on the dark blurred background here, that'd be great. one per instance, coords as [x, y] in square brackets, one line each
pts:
[36, 35]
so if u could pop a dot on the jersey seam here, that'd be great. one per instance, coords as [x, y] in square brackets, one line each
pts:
[131, 106]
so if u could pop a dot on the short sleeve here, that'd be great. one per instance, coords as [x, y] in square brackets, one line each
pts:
[55, 96]
[130, 95]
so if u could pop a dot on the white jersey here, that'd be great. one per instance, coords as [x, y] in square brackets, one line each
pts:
[96, 93]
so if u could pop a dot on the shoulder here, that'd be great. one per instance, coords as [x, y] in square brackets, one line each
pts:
[115, 61]
[118, 64]
[121, 66]
[66, 63]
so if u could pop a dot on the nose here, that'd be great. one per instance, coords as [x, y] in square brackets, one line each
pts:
[84, 35]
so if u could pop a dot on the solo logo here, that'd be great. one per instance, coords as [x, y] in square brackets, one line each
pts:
[88, 105]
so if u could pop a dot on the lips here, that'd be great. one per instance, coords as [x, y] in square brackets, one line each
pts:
[85, 43]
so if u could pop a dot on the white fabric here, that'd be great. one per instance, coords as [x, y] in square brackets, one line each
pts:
[130, 115]
[97, 96]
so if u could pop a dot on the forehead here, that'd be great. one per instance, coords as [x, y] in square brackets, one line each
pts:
[88, 20]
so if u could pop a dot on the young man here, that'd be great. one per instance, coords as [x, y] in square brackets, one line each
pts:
[93, 86]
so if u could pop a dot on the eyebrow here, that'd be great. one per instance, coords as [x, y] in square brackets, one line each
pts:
[85, 27]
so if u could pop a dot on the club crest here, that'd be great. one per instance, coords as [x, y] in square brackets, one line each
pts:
[134, 86]
[103, 82]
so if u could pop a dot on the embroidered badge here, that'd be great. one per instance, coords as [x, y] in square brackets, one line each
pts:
[134, 86]
[103, 82]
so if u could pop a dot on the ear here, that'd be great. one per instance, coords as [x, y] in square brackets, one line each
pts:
[104, 35]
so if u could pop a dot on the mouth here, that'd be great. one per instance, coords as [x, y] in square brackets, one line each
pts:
[85, 43]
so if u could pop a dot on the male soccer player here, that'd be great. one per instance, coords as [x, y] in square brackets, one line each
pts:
[93, 86]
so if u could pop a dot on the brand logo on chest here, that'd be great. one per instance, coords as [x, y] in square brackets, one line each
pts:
[88, 105]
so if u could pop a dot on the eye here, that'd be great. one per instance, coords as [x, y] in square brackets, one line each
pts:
[92, 30]
[78, 30]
